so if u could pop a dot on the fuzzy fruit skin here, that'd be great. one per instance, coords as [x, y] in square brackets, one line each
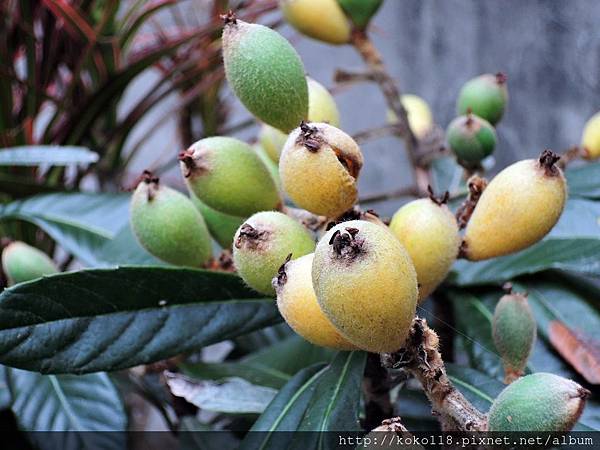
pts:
[321, 108]
[360, 12]
[222, 227]
[486, 96]
[418, 112]
[429, 233]
[514, 331]
[366, 285]
[168, 225]
[471, 138]
[312, 174]
[257, 259]
[323, 20]
[517, 209]
[298, 305]
[229, 176]
[22, 262]
[266, 74]
[590, 141]
[538, 402]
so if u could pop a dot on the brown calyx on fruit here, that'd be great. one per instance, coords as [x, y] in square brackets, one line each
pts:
[441, 200]
[501, 78]
[547, 161]
[251, 238]
[229, 18]
[193, 164]
[309, 137]
[152, 181]
[347, 244]
[281, 278]
[469, 122]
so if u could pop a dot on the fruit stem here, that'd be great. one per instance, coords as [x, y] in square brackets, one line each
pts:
[476, 186]
[421, 358]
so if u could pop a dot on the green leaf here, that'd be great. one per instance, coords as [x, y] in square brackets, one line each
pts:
[272, 366]
[80, 223]
[52, 155]
[125, 249]
[232, 395]
[573, 245]
[285, 412]
[447, 175]
[5, 398]
[584, 181]
[109, 319]
[477, 387]
[68, 403]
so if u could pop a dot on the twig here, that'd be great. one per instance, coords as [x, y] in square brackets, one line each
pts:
[374, 133]
[421, 357]
[476, 186]
[345, 76]
[372, 58]
[411, 191]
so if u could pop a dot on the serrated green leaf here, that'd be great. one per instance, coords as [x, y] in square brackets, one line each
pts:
[272, 366]
[74, 405]
[51, 155]
[573, 245]
[80, 223]
[109, 319]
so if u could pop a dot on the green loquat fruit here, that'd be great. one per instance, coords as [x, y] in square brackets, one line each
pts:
[168, 225]
[429, 232]
[366, 285]
[22, 262]
[229, 176]
[265, 73]
[298, 305]
[222, 227]
[514, 331]
[319, 167]
[536, 403]
[360, 12]
[323, 20]
[261, 245]
[471, 138]
[486, 96]
[517, 209]
[590, 141]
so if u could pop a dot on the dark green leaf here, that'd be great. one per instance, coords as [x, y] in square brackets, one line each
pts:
[573, 245]
[80, 223]
[477, 387]
[584, 181]
[51, 155]
[125, 249]
[5, 399]
[109, 319]
[272, 366]
[285, 412]
[77, 404]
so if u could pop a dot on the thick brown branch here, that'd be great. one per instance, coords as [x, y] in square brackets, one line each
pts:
[422, 359]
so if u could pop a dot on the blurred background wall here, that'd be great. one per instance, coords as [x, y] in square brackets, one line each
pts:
[550, 50]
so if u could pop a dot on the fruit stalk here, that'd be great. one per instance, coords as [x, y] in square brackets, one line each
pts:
[421, 358]
[371, 56]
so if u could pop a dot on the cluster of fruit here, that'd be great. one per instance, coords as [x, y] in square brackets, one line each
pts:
[359, 286]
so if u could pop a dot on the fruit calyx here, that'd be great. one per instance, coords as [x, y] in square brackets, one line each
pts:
[547, 161]
[347, 244]
[470, 121]
[438, 200]
[152, 181]
[250, 237]
[501, 78]
[229, 19]
[309, 137]
[355, 213]
[281, 278]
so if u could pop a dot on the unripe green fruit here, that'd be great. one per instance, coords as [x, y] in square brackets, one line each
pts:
[486, 96]
[590, 141]
[536, 403]
[321, 108]
[22, 262]
[366, 285]
[360, 12]
[265, 73]
[517, 209]
[471, 138]
[419, 115]
[262, 244]
[271, 166]
[298, 305]
[429, 233]
[168, 225]
[229, 176]
[319, 19]
[319, 167]
[514, 331]
[222, 227]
